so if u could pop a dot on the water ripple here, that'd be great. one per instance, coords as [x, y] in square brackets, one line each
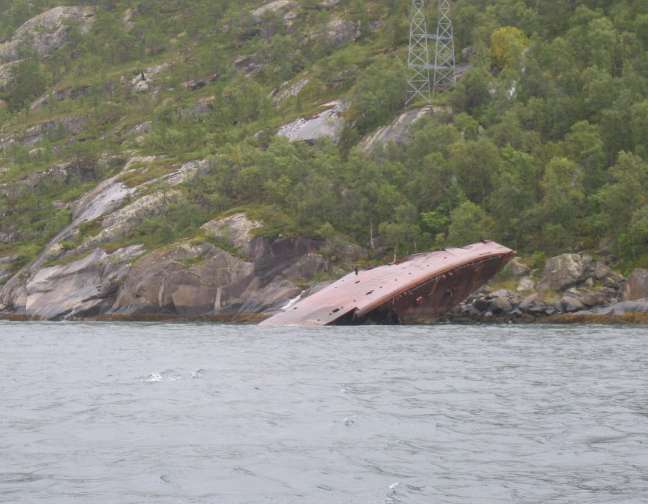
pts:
[200, 413]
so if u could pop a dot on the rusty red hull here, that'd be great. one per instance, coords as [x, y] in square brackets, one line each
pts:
[423, 287]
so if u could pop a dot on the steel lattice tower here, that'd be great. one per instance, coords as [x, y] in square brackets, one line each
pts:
[418, 56]
[444, 56]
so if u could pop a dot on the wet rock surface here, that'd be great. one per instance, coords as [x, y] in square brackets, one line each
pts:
[569, 283]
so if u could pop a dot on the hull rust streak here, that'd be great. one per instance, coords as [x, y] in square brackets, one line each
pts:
[422, 287]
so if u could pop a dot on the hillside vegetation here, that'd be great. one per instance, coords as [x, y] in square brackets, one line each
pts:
[542, 145]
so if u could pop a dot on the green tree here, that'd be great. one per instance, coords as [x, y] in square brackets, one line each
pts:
[468, 224]
[378, 94]
[562, 202]
[507, 46]
[584, 145]
[624, 194]
[28, 82]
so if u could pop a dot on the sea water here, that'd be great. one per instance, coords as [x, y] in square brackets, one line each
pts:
[201, 413]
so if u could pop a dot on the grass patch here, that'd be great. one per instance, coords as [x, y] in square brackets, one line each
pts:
[67, 259]
[145, 172]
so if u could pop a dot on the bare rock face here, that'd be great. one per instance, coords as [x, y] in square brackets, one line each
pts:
[235, 229]
[289, 90]
[186, 172]
[339, 32]
[564, 271]
[205, 280]
[517, 268]
[327, 124]
[274, 7]
[570, 303]
[82, 288]
[187, 280]
[127, 218]
[637, 285]
[48, 31]
[397, 132]
[103, 199]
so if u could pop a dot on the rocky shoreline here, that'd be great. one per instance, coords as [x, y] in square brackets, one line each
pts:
[241, 278]
[570, 288]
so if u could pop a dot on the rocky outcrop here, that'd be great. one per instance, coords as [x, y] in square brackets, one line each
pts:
[637, 285]
[186, 280]
[186, 172]
[289, 90]
[274, 7]
[82, 288]
[256, 276]
[143, 80]
[196, 84]
[563, 271]
[327, 4]
[248, 65]
[570, 283]
[327, 124]
[622, 308]
[103, 199]
[114, 210]
[517, 268]
[230, 273]
[60, 127]
[236, 230]
[48, 31]
[339, 32]
[120, 222]
[397, 132]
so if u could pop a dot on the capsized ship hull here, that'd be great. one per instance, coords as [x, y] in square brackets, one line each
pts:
[422, 287]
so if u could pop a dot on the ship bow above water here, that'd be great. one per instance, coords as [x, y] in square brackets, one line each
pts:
[423, 287]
